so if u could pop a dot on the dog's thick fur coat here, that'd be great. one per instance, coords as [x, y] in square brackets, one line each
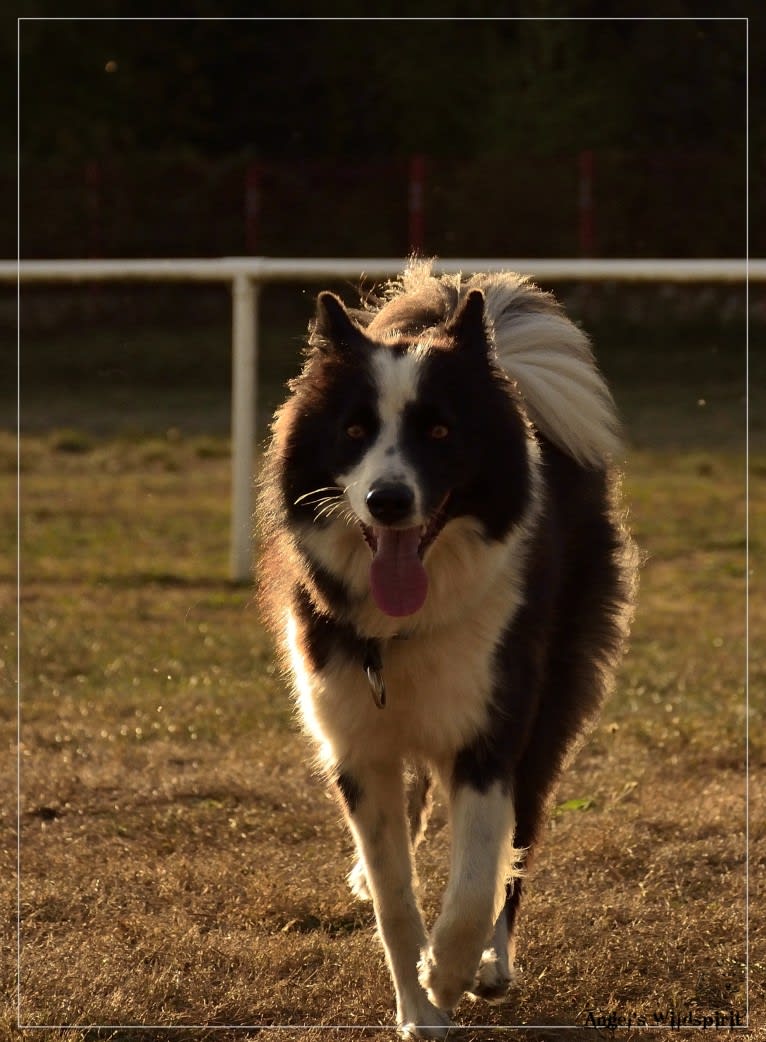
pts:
[449, 581]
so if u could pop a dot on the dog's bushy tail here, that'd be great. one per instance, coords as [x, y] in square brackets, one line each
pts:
[540, 348]
[551, 361]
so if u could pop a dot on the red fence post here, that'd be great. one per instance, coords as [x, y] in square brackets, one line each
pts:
[585, 203]
[415, 203]
[93, 204]
[252, 206]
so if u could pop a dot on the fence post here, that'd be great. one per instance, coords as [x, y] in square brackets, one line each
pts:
[585, 203]
[415, 203]
[252, 206]
[243, 418]
[93, 189]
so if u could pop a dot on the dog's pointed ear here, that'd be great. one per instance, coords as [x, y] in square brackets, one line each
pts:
[467, 325]
[335, 326]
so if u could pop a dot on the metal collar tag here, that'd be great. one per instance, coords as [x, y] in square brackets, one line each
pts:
[373, 667]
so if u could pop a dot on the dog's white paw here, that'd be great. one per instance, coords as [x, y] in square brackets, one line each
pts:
[357, 880]
[493, 978]
[444, 980]
[420, 1019]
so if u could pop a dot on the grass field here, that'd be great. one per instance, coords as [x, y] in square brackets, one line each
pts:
[180, 864]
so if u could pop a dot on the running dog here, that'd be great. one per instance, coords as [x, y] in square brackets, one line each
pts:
[448, 577]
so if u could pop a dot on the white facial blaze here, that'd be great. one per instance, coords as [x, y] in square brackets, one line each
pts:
[396, 380]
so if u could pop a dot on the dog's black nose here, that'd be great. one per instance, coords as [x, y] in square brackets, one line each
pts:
[390, 502]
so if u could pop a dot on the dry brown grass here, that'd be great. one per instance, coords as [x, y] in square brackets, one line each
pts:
[181, 866]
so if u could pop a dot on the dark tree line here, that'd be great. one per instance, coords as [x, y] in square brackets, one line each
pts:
[452, 88]
[500, 106]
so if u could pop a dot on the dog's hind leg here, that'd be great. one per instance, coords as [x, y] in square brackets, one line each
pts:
[374, 800]
[496, 970]
[535, 776]
[419, 801]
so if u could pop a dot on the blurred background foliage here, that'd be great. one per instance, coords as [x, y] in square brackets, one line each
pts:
[234, 129]
[137, 135]
[375, 88]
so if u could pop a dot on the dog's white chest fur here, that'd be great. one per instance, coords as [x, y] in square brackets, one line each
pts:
[437, 693]
[439, 678]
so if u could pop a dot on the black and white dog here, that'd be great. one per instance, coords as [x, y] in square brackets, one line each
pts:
[446, 572]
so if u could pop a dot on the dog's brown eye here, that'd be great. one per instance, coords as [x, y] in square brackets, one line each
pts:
[438, 431]
[355, 431]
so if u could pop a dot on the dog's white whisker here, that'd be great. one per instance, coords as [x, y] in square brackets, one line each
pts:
[315, 492]
[328, 510]
[349, 518]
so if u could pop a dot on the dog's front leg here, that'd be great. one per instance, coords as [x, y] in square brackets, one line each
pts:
[375, 808]
[482, 857]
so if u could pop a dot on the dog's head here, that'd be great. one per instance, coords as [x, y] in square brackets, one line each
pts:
[397, 434]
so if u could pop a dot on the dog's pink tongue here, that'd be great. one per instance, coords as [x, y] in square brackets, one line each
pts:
[397, 576]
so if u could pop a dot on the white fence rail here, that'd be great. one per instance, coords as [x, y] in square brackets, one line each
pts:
[246, 274]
